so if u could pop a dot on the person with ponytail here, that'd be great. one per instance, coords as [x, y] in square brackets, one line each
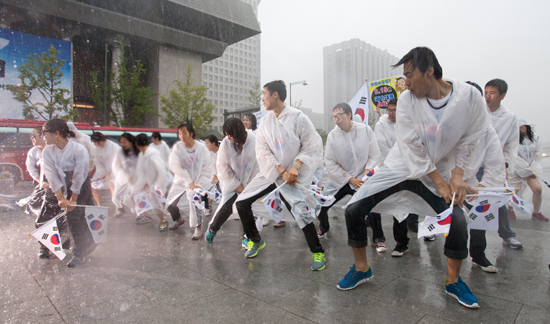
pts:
[124, 169]
[66, 165]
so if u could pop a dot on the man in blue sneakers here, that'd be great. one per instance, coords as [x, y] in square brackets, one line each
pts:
[439, 124]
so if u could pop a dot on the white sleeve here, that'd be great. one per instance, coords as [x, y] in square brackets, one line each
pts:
[374, 150]
[177, 169]
[336, 173]
[206, 172]
[51, 171]
[31, 164]
[228, 180]
[308, 144]
[494, 174]
[266, 160]
[511, 146]
[381, 138]
[81, 167]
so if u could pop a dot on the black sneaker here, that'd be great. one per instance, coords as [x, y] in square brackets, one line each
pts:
[76, 261]
[399, 250]
[484, 265]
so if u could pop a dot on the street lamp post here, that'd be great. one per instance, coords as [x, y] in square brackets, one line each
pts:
[106, 80]
[303, 82]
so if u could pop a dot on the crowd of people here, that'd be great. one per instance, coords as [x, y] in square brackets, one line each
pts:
[440, 142]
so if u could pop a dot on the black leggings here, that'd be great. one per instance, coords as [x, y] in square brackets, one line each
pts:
[244, 207]
[223, 214]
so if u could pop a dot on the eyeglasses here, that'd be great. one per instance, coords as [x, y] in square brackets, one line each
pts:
[391, 110]
[337, 116]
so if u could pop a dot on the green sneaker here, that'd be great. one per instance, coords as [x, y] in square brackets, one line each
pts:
[253, 248]
[209, 237]
[319, 261]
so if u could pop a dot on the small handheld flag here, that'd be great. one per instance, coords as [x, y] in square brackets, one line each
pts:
[371, 172]
[97, 218]
[143, 203]
[48, 235]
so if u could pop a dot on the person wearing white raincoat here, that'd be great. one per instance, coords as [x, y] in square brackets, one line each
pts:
[528, 170]
[286, 145]
[506, 124]
[351, 152]
[85, 141]
[124, 170]
[213, 146]
[150, 176]
[237, 166]
[438, 127]
[190, 162]
[105, 153]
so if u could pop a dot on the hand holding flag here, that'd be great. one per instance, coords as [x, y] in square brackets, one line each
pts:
[371, 172]
[439, 224]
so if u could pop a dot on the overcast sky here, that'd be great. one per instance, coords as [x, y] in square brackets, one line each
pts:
[473, 40]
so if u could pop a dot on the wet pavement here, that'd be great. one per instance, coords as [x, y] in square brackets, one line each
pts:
[142, 275]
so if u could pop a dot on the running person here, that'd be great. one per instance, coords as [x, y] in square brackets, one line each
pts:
[105, 153]
[213, 145]
[124, 170]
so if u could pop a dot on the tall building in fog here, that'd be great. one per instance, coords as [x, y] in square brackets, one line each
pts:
[230, 76]
[346, 66]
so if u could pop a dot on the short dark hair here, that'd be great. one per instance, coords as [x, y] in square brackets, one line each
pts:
[345, 107]
[98, 137]
[213, 139]
[142, 140]
[475, 85]
[157, 136]
[189, 128]
[58, 125]
[234, 127]
[422, 58]
[253, 120]
[500, 84]
[392, 102]
[277, 86]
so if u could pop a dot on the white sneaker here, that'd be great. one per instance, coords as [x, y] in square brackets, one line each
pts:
[163, 226]
[198, 234]
[206, 212]
[513, 243]
[280, 224]
[265, 221]
[381, 247]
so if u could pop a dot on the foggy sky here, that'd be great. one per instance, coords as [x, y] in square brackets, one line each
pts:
[473, 40]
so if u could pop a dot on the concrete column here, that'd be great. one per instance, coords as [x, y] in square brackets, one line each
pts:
[116, 58]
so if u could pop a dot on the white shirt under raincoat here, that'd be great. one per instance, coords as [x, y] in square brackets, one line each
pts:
[186, 171]
[74, 157]
[124, 169]
[348, 155]
[425, 145]
[281, 141]
[488, 153]
[104, 160]
[385, 135]
[507, 126]
[85, 141]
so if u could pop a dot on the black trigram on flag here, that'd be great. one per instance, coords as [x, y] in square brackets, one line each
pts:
[101, 232]
[102, 217]
[45, 236]
[485, 202]
[473, 216]
[54, 228]
[90, 216]
[490, 217]
[431, 227]
[57, 249]
[363, 100]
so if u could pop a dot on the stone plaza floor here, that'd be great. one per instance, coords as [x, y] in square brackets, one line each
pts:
[142, 275]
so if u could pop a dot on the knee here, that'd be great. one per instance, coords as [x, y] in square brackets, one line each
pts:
[352, 212]
[242, 206]
[537, 190]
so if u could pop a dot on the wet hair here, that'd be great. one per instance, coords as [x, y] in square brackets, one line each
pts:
[500, 84]
[142, 140]
[253, 120]
[213, 139]
[189, 128]
[392, 102]
[421, 58]
[277, 86]
[234, 127]
[98, 137]
[345, 107]
[58, 125]
[132, 139]
[38, 129]
[530, 134]
[475, 85]
[157, 136]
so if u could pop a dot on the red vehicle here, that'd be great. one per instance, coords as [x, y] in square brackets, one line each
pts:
[15, 141]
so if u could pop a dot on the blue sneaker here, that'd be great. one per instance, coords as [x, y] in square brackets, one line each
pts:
[354, 278]
[462, 293]
[244, 243]
[254, 248]
[209, 237]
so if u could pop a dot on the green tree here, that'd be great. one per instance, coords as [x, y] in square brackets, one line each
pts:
[323, 135]
[187, 103]
[43, 73]
[255, 94]
[128, 100]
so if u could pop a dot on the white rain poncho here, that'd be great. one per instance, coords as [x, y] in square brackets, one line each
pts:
[213, 158]
[348, 155]
[385, 135]
[281, 141]
[84, 140]
[425, 145]
[164, 151]
[528, 162]
[320, 170]
[236, 169]
[34, 161]
[104, 160]
[186, 171]
[150, 175]
[124, 169]
[507, 126]
[488, 153]
[74, 157]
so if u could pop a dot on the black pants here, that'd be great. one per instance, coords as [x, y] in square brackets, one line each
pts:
[244, 207]
[82, 238]
[174, 210]
[223, 214]
[456, 243]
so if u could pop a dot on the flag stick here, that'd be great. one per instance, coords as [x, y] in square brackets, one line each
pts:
[261, 202]
[63, 213]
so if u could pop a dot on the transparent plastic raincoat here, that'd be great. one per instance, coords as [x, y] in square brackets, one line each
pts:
[385, 135]
[507, 126]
